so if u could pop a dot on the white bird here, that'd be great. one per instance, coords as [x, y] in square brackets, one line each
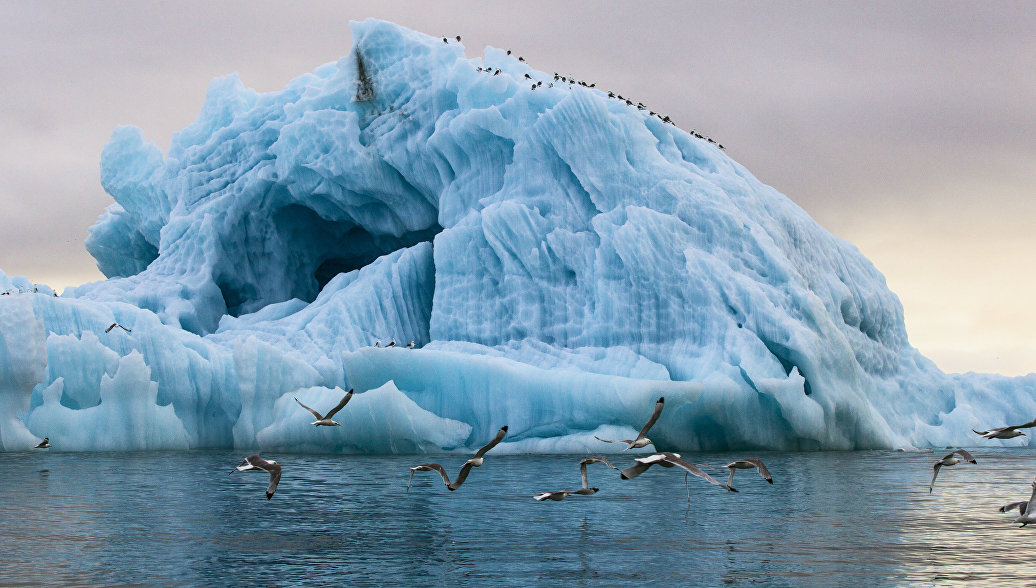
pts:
[254, 462]
[392, 344]
[586, 490]
[45, 444]
[377, 343]
[950, 460]
[668, 459]
[641, 440]
[474, 462]
[113, 325]
[410, 345]
[1027, 510]
[325, 420]
[1006, 432]
[747, 463]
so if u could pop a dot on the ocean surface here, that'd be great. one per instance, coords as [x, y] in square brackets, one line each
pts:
[178, 518]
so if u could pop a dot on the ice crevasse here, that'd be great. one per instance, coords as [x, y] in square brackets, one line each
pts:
[559, 258]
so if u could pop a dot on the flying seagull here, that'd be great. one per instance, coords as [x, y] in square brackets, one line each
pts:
[474, 462]
[668, 459]
[113, 325]
[45, 444]
[950, 460]
[1028, 509]
[641, 440]
[1006, 432]
[586, 490]
[254, 462]
[325, 420]
[747, 463]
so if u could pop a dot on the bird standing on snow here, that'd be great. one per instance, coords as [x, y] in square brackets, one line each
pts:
[641, 440]
[950, 460]
[474, 462]
[45, 444]
[254, 462]
[325, 420]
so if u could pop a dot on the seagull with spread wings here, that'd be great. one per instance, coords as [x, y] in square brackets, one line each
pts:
[641, 440]
[748, 463]
[474, 462]
[586, 490]
[668, 459]
[254, 462]
[950, 460]
[1006, 432]
[325, 420]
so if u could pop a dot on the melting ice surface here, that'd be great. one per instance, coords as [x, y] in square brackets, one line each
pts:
[560, 259]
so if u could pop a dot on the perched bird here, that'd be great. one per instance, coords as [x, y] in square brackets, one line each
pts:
[45, 444]
[474, 462]
[254, 462]
[641, 440]
[508, 51]
[377, 343]
[668, 459]
[113, 325]
[444, 40]
[391, 344]
[1006, 432]
[747, 463]
[520, 58]
[950, 460]
[410, 345]
[325, 420]
[458, 38]
[497, 72]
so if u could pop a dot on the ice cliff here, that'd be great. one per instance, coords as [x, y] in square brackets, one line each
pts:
[560, 258]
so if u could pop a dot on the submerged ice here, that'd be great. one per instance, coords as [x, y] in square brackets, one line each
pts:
[559, 258]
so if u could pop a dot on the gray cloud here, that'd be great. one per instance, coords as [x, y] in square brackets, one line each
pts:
[904, 127]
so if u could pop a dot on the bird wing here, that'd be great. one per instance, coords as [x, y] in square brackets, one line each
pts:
[1021, 506]
[598, 458]
[626, 441]
[1027, 425]
[983, 433]
[110, 327]
[313, 412]
[693, 469]
[499, 437]
[1031, 505]
[429, 467]
[654, 417]
[461, 476]
[582, 474]
[643, 463]
[275, 478]
[634, 470]
[345, 400]
[964, 453]
[935, 474]
[759, 465]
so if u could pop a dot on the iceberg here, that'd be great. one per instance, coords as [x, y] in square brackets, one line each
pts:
[559, 258]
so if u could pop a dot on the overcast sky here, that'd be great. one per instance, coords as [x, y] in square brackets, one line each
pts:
[907, 128]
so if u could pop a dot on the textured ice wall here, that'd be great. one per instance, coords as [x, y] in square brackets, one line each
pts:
[549, 249]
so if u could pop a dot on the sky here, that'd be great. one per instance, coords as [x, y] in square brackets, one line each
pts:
[906, 128]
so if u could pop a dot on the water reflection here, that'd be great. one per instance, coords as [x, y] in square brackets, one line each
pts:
[177, 518]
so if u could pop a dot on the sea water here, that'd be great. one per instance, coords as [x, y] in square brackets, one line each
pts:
[181, 518]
